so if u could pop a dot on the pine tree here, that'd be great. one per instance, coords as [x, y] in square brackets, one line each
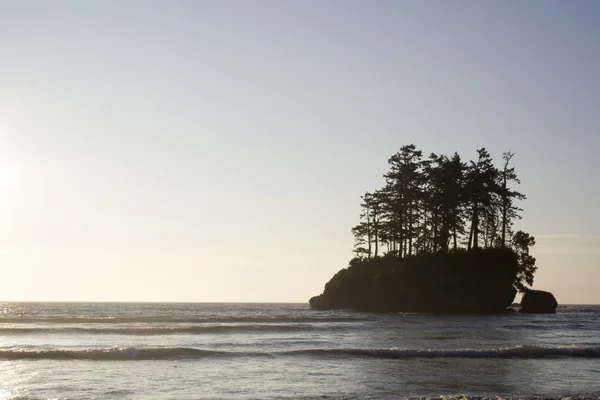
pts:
[509, 211]
[521, 243]
[480, 189]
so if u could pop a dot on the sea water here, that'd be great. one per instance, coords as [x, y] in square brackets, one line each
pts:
[271, 351]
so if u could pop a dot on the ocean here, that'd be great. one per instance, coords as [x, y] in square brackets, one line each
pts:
[287, 351]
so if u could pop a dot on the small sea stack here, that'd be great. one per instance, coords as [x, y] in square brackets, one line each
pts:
[538, 302]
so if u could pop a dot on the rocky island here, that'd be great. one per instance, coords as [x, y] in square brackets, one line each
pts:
[438, 238]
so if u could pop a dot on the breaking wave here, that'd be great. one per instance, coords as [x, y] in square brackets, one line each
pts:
[114, 353]
[171, 353]
[525, 352]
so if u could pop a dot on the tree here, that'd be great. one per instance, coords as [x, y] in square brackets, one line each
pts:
[509, 211]
[521, 243]
[481, 187]
[454, 196]
[363, 231]
[444, 199]
[437, 204]
[404, 180]
[367, 232]
[374, 202]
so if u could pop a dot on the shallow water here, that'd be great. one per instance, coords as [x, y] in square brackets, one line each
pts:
[249, 351]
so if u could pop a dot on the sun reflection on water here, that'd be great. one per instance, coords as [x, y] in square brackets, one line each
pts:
[14, 377]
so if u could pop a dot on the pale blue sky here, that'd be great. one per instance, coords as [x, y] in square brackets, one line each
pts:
[216, 151]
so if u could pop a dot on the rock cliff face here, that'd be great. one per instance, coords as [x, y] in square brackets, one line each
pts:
[538, 301]
[477, 281]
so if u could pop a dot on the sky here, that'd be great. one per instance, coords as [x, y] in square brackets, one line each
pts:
[217, 150]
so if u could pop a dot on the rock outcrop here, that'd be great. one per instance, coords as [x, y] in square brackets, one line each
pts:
[477, 281]
[538, 301]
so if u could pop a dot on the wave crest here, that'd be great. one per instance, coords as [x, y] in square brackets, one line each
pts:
[170, 353]
[114, 353]
[526, 352]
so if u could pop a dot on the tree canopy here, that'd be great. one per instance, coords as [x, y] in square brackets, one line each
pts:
[442, 204]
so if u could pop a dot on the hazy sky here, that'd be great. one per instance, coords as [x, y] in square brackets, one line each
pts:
[216, 151]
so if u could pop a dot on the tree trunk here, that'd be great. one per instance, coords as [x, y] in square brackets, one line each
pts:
[369, 234]
[455, 240]
[375, 229]
[470, 244]
[476, 226]
[504, 212]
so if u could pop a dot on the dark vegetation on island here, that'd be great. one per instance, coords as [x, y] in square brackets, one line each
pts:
[438, 237]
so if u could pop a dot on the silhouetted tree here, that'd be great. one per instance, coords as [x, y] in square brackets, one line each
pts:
[436, 205]
[404, 178]
[509, 211]
[480, 189]
[375, 200]
[454, 181]
[522, 242]
[363, 232]
[432, 205]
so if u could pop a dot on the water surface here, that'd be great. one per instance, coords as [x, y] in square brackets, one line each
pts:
[268, 351]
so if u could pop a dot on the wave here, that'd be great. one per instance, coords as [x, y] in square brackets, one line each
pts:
[525, 352]
[133, 320]
[482, 396]
[172, 353]
[164, 330]
[114, 353]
